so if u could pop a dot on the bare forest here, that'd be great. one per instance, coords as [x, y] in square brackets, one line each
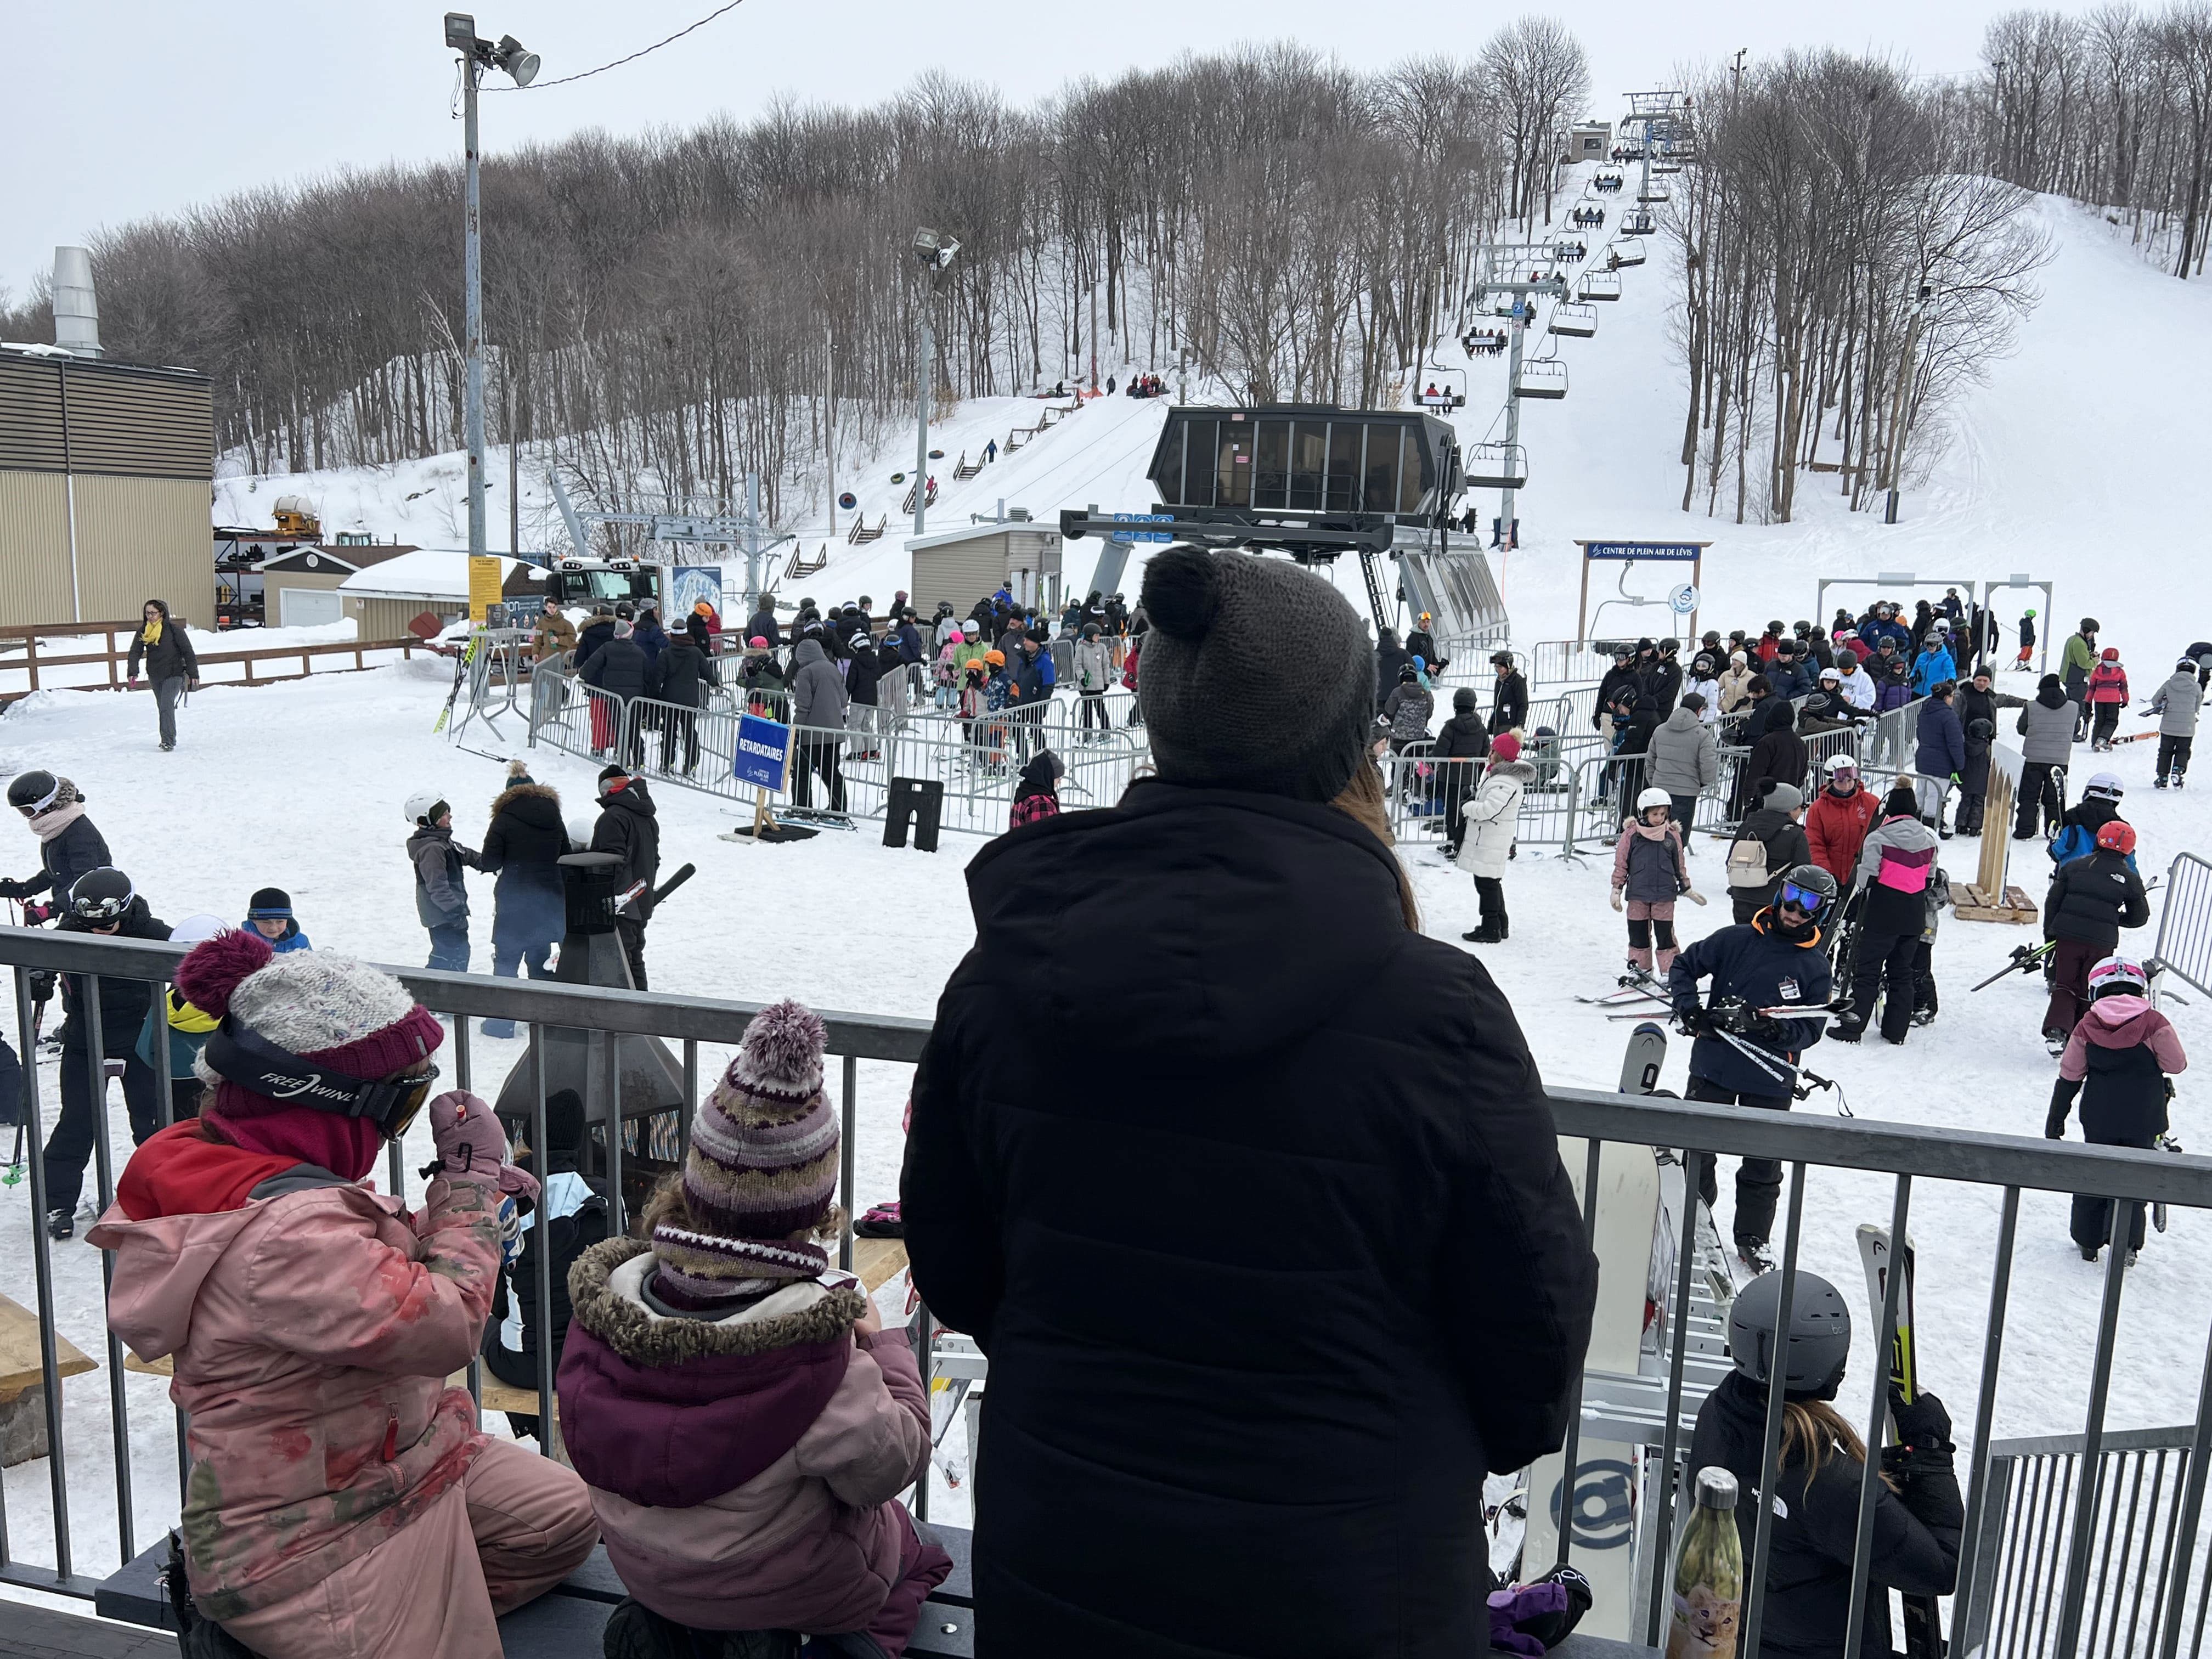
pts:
[1845, 269]
[2113, 109]
[680, 309]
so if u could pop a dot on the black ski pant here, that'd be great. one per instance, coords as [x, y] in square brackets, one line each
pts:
[69, 1146]
[1924, 978]
[2091, 1223]
[1969, 820]
[1880, 960]
[1490, 894]
[2042, 798]
[2107, 722]
[2174, 755]
[681, 727]
[632, 934]
[1095, 711]
[818, 755]
[1758, 1180]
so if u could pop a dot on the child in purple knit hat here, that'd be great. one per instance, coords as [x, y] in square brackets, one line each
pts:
[742, 1417]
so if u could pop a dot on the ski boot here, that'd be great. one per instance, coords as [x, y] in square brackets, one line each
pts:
[61, 1224]
[2158, 782]
[2091, 1252]
[1844, 1030]
[1754, 1254]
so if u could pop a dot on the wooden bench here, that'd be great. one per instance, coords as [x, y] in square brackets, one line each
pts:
[22, 1381]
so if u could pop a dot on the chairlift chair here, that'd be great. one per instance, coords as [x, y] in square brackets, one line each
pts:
[1628, 251]
[1576, 322]
[1495, 466]
[1441, 388]
[1637, 222]
[1543, 377]
[1655, 191]
[1599, 285]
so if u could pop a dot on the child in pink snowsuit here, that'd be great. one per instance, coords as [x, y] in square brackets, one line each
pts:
[1650, 871]
[744, 1421]
[341, 1503]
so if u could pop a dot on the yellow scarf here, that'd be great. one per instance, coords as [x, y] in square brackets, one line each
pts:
[152, 632]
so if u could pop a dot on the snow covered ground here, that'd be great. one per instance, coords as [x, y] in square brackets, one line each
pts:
[2076, 462]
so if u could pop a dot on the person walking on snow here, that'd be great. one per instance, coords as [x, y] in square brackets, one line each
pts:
[2027, 642]
[2177, 702]
[1408, 709]
[1684, 763]
[2091, 900]
[1509, 700]
[1774, 960]
[1934, 664]
[2046, 728]
[1487, 842]
[1462, 742]
[171, 665]
[630, 827]
[1940, 755]
[2118, 1063]
[2077, 663]
[1650, 871]
[2108, 695]
[342, 1504]
[441, 901]
[529, 911]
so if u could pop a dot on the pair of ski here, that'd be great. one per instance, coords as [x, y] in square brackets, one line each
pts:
[1791, 1075]
[1924, 1623]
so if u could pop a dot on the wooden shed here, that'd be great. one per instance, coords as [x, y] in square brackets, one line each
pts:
[106, 479]
[299, 585]
[962, 566]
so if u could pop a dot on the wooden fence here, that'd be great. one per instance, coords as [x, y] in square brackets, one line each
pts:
[20, 643]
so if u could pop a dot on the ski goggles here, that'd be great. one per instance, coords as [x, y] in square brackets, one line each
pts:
[1810, 900]
[245, 1057]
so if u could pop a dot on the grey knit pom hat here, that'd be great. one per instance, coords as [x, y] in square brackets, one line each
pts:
[1257, 675]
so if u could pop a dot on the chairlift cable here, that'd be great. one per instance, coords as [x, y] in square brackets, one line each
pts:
[585, 75]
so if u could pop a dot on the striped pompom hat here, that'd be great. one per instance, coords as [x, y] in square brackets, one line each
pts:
[762, 1167]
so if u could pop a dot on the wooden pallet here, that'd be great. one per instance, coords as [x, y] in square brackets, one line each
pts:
[1973, 904]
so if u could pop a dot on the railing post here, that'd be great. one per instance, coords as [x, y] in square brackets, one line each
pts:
[1978, 1459]
[1572, 1450]
[1771, 1436]
[1870, 1471]
[2123, 1213]
[2184, 1543]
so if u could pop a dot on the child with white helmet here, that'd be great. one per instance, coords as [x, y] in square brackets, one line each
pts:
[1650, 871]
[2118, 1061]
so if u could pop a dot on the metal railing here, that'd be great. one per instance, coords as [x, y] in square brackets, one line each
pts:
[2184, 921]
[2144, 1490]
[1570, 662]
[1905, 1153]
[849, 770]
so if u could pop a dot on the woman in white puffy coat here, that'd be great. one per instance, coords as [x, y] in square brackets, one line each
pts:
[1491, 814]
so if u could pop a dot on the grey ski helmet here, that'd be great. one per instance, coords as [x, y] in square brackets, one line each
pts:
[1820, 1344]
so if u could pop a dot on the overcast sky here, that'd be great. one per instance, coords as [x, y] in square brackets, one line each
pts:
[122, 108]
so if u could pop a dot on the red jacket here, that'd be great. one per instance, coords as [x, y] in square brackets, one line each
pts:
[2108, 682]
[1835, 828]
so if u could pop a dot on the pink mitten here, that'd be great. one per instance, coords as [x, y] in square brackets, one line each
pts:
[471, 1144]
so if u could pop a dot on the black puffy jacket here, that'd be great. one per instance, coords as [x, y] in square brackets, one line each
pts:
[592, 639]
[1751, 961]
[618, 668]
[79, 847]
[629, 829]
[123, 1002]
[1812, 1538]
[523, 845]
[678, 671]
[1245, 1313]
[2092, 898]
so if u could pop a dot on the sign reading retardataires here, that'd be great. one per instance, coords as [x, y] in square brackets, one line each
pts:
[484, 585]
[1142, 535]
[1685, 551]
[763, 750]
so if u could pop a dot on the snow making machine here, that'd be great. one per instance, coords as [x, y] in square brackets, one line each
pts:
[1315, 483]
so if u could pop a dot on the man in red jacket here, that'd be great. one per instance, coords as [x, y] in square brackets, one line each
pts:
[1836, 827]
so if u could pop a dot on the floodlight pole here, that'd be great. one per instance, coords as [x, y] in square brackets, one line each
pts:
[472, 325]
[921, 403]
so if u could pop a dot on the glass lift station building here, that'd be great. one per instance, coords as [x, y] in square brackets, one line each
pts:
[1308, 459]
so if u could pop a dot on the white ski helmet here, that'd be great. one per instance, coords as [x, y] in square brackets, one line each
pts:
[422, 806]
[2118, 974]
[1837, 765]
[2104, 784]
[1652, 797]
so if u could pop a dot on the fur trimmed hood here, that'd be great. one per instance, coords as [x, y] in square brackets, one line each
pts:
[517, 792]
[613, 1312]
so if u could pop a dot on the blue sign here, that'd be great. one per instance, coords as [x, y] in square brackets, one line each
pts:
[1142, 535]
[763, 750]
[1685, 551]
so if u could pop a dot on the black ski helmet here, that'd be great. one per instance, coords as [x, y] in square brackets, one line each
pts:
[1812, 878]
[101, 894]
[33, 791]
[2089, 625]
[1820, 1334]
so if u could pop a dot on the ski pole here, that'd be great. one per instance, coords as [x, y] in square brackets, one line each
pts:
[2023, 958]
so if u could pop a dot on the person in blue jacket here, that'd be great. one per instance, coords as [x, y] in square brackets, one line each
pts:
[1942, 756]
[1775, 959]
[269, 913]
[1935, 663]
[2077, 831]
[1884, 625]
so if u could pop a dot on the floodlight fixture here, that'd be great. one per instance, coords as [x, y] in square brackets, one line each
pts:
[461, 32]
[522, 66]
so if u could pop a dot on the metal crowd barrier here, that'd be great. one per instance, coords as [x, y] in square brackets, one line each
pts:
[979, 762]
[1570, 662]
[2184, 921]
[1906, 1154]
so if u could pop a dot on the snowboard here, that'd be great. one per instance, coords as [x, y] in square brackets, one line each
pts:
[1923, 1622]
[1647, 1052]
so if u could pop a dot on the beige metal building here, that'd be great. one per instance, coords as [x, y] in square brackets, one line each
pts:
[962, 566]
[105, 474]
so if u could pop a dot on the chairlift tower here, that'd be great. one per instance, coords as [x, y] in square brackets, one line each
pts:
[1655, 115]
[1512, 270]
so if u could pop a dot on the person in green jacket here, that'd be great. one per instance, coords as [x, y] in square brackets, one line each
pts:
[2076, 665]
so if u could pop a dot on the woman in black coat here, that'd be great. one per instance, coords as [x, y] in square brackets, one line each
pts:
[1779, 755]
[1263, 1309]
[70, 843]
[523, 846]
